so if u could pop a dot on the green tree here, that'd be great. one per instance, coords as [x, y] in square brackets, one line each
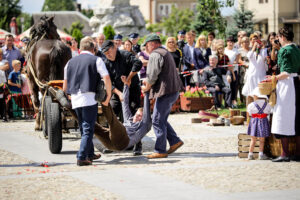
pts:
[57, 5]
[242, 21]
[27, 22]
[208, 16]
[8, 10]
[177, 20]
[77, 34]
[109, 32]
[88, 12]
[75, 25]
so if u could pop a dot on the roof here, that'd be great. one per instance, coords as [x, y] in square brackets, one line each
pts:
[64, 19]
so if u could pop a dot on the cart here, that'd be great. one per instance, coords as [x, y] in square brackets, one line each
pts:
[58, 118]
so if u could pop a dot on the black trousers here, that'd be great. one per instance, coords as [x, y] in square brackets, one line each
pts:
[234, 86]
[134, 102]
[223, 90]
[2, 108]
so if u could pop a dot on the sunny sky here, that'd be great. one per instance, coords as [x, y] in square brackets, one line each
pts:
[34, 6]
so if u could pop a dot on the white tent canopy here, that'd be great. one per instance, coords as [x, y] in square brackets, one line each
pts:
[3, 33]
[60, 33]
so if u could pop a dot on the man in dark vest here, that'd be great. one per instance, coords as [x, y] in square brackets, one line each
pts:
[123, 63]
[80, 79]
[164, 84]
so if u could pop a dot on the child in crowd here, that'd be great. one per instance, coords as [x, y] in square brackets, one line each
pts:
[259, 124]
[14, 83]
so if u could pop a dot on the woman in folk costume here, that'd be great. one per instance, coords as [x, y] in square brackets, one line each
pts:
[284, 114]
[256, 71]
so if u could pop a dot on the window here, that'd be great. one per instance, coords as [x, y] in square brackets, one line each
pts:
[165, 9]
[261, 1]
[194, 7]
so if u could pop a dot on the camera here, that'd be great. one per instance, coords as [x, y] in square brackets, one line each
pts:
[276, 42]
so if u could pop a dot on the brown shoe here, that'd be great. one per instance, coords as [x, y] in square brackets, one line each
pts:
[95, 157]
[84, 162]
[174, 147]
[157, 155]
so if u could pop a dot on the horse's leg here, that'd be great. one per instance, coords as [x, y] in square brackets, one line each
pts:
[35, 100]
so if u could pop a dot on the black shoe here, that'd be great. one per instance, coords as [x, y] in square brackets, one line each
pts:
[94, 157]
[84, 162]
[281, 159]
[137, 150]
[295, 158]
[106, 151]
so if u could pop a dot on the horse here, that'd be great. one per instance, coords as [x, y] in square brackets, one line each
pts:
[47, 56]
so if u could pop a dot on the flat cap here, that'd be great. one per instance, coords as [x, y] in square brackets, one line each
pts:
[151, 37]
[133, 35]
[106, 45]
[118, 37]
[182, 32]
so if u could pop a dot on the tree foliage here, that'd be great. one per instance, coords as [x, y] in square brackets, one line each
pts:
[109, 32]
[8, 10]
[58, 5]
[208, 16]
[77, 34]
[88, 12]
[177, 20]
[75, 25]
[242, 21]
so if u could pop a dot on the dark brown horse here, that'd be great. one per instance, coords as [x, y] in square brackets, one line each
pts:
[47, 55]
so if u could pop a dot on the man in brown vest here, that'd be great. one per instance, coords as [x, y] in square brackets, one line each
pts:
[164, 84]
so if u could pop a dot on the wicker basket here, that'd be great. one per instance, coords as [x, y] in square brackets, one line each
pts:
[237, 120]
[265, 88]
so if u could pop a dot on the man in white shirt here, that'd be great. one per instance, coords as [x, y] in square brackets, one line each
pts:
[80, 80]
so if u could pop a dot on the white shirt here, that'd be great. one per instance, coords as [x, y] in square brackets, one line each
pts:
[251, 109]
[232, 54]
[88, 98]
[2, 73]
[191, 48]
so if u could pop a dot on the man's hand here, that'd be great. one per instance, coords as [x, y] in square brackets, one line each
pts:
[146, 86]
[201, 71]
[217, 88]
[106, 102]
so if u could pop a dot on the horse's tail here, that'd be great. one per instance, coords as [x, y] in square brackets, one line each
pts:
[59, 56]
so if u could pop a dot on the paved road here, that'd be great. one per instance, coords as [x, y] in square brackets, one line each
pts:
[136, 177]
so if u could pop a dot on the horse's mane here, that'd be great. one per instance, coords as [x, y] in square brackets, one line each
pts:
[40, 28]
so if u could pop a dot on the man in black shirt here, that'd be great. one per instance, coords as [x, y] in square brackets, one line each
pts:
[214, 81]
[123, 63]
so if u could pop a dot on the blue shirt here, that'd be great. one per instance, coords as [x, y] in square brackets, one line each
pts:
[15, 77]
[10, 55]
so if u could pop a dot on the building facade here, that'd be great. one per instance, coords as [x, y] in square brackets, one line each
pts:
[154, 10]
[270, 15]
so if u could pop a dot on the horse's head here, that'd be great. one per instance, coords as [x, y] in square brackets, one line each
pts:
[44, 26]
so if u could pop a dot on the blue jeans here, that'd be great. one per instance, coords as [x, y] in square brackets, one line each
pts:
[86, 118]
[162, 129]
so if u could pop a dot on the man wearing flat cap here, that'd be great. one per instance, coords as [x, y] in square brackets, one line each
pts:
[134, 38]
[123, 63]
[118, 40]
[164, 84]
[180, 39]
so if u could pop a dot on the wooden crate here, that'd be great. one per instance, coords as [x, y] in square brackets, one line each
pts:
[196, 104]
[276, 147]
[244, 144]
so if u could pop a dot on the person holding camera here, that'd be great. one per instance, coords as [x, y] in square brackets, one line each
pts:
[257, 69]
[272, 51]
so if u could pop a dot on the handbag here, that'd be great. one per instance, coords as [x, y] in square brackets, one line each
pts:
[100, 95]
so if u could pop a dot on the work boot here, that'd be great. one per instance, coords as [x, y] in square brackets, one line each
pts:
[137, 150]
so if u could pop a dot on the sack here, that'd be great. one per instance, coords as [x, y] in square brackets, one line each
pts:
[100, 91]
